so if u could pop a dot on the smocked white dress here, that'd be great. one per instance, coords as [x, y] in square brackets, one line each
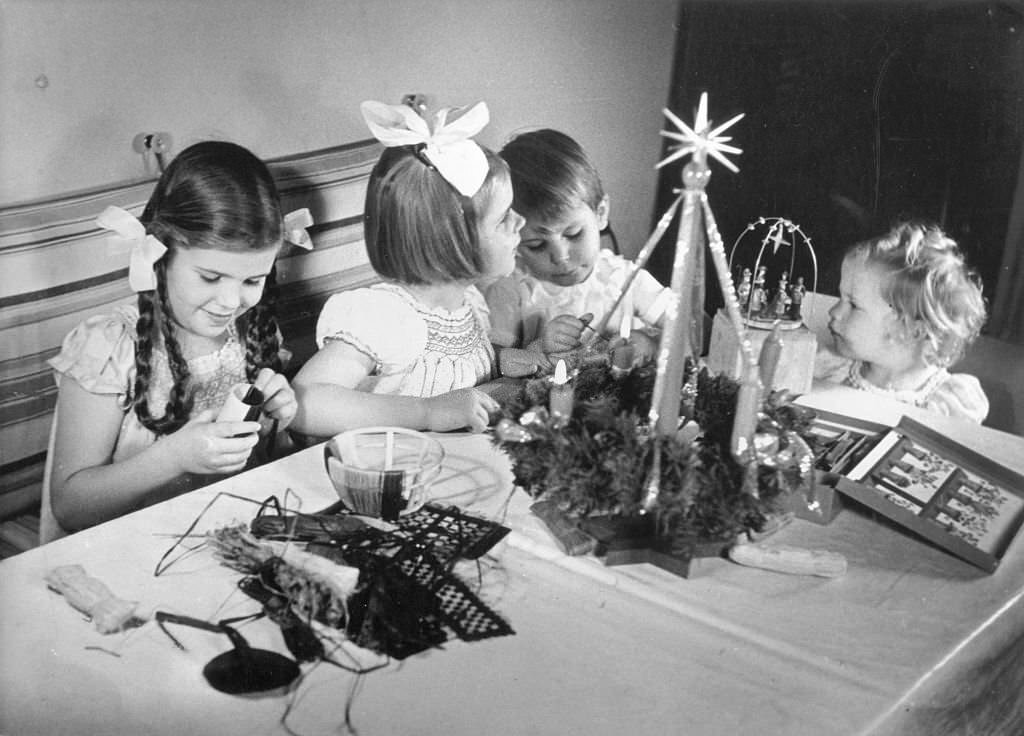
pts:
[416, 350]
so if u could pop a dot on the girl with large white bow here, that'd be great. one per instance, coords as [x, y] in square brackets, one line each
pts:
[140, 388]
[410, 350]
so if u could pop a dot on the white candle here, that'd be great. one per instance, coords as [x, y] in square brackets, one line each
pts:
[560, 398]
[748, 401]
[626, 324]
[624, 353]
[561, 376]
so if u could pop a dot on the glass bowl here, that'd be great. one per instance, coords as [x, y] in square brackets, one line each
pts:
[383, 471]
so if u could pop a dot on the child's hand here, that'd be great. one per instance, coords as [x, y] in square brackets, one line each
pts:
[519, 363]
[563, 333]
[645, 345]
[205, 446]
[464, 407]
[279, 400]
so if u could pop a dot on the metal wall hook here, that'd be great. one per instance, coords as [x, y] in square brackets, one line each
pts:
[158, 144]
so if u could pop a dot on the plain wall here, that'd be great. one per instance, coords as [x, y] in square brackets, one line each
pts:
[80, 78]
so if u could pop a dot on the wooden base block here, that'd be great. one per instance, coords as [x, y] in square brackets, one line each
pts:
[566, 532]
[796, 363]
[636, 555]
[630, 540]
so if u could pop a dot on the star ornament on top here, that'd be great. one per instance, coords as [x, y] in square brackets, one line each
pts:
[777, 235]
[701, 139]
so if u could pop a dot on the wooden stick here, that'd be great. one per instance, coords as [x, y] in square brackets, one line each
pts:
[676, 344]
[641, 260]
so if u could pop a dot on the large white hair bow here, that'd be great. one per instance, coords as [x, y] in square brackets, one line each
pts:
[145, 249]
[449, 147]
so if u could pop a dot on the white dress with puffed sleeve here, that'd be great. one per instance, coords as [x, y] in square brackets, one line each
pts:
[416, 350]
[99, 355]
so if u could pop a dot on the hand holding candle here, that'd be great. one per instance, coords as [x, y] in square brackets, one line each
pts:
[560, 398]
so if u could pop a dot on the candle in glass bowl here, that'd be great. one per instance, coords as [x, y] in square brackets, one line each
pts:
[560, 398]
[623, 353]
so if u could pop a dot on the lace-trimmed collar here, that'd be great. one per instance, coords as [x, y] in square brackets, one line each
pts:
[459, 313]
[227, 355]
[917, 396]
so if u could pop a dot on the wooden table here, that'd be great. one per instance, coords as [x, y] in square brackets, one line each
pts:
[910, 641]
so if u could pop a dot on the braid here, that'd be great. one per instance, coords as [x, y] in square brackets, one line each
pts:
[143, 358]
[179, 402]
[261, 335]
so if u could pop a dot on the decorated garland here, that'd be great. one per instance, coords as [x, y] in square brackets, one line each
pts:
[595, 464]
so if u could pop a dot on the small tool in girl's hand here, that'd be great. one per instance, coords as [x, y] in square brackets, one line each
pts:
[243, 404]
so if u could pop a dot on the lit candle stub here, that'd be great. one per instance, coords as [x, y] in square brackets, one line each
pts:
[560, 398]
[623, 353]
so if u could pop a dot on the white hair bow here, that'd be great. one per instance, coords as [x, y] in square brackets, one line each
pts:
[449, 147]
[146, 250]
[295, 224]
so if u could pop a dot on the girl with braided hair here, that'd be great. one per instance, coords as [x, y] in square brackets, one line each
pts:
[908, 308]
[139, 389]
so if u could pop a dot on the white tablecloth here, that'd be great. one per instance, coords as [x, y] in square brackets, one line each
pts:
[911, 640]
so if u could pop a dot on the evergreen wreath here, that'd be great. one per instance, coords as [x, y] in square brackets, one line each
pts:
[597, 463]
